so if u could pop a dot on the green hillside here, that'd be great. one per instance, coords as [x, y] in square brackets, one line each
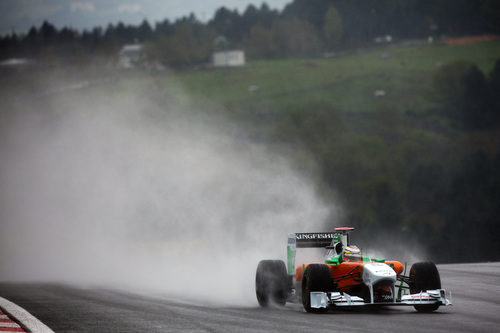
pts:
[347, 81]
[397, 162]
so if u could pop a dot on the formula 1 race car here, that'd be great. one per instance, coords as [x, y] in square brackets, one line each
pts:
[346, 278]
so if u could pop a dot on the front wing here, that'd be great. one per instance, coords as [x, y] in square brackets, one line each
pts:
[324, 300]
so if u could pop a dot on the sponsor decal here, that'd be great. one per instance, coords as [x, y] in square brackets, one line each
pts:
[314, 236]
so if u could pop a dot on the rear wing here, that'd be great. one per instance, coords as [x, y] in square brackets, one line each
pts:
[313, 240]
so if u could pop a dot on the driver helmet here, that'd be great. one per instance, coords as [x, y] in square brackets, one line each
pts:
[352, 253]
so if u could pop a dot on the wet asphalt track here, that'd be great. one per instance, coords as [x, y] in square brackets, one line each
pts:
[475, 288]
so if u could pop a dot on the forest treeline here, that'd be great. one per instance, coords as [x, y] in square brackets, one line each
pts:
[302, 28]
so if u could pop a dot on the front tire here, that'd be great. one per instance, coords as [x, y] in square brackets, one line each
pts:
[271, 283]
[317, 277]
[424, 276]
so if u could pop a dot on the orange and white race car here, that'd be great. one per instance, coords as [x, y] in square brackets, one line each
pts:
[346, 278]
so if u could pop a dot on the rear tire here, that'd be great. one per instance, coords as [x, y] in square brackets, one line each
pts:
[317, 277]
[271, 283]
[424, 276]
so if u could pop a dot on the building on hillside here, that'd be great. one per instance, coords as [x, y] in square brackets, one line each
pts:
[130, 56]
[230, 58]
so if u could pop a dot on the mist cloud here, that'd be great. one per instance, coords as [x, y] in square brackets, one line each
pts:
[131, 192]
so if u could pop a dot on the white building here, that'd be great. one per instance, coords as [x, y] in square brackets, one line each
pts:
[130, 56]
[230, 58]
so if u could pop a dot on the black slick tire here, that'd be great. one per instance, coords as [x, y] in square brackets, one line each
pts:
[271, 283]
[317, 277]
[424, 276]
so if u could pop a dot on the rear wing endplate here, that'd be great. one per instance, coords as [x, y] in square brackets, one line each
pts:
[313, 240]
[305, 240]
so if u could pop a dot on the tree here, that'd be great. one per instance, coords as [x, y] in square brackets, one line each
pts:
[121, 34]
[427, 189]
[260, 42]
[490, 10]
[468, 96]
[190, 43]
[8, 46]
[475, 99]
[388, 206]
[462, 88]
[228, 24]
[250, 18]
[163, 28]
[48, 33]
[144, 32]
[332, 28]
[267, 16]
[494, 92]
[475, 210]
[312, 11]
[447, 82]
[295, 37]
[67, 36]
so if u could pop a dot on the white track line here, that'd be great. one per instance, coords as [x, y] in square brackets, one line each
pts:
[27, 319]
[9, 325]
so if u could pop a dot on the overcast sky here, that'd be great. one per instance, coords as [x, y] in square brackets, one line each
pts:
[20, 15]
